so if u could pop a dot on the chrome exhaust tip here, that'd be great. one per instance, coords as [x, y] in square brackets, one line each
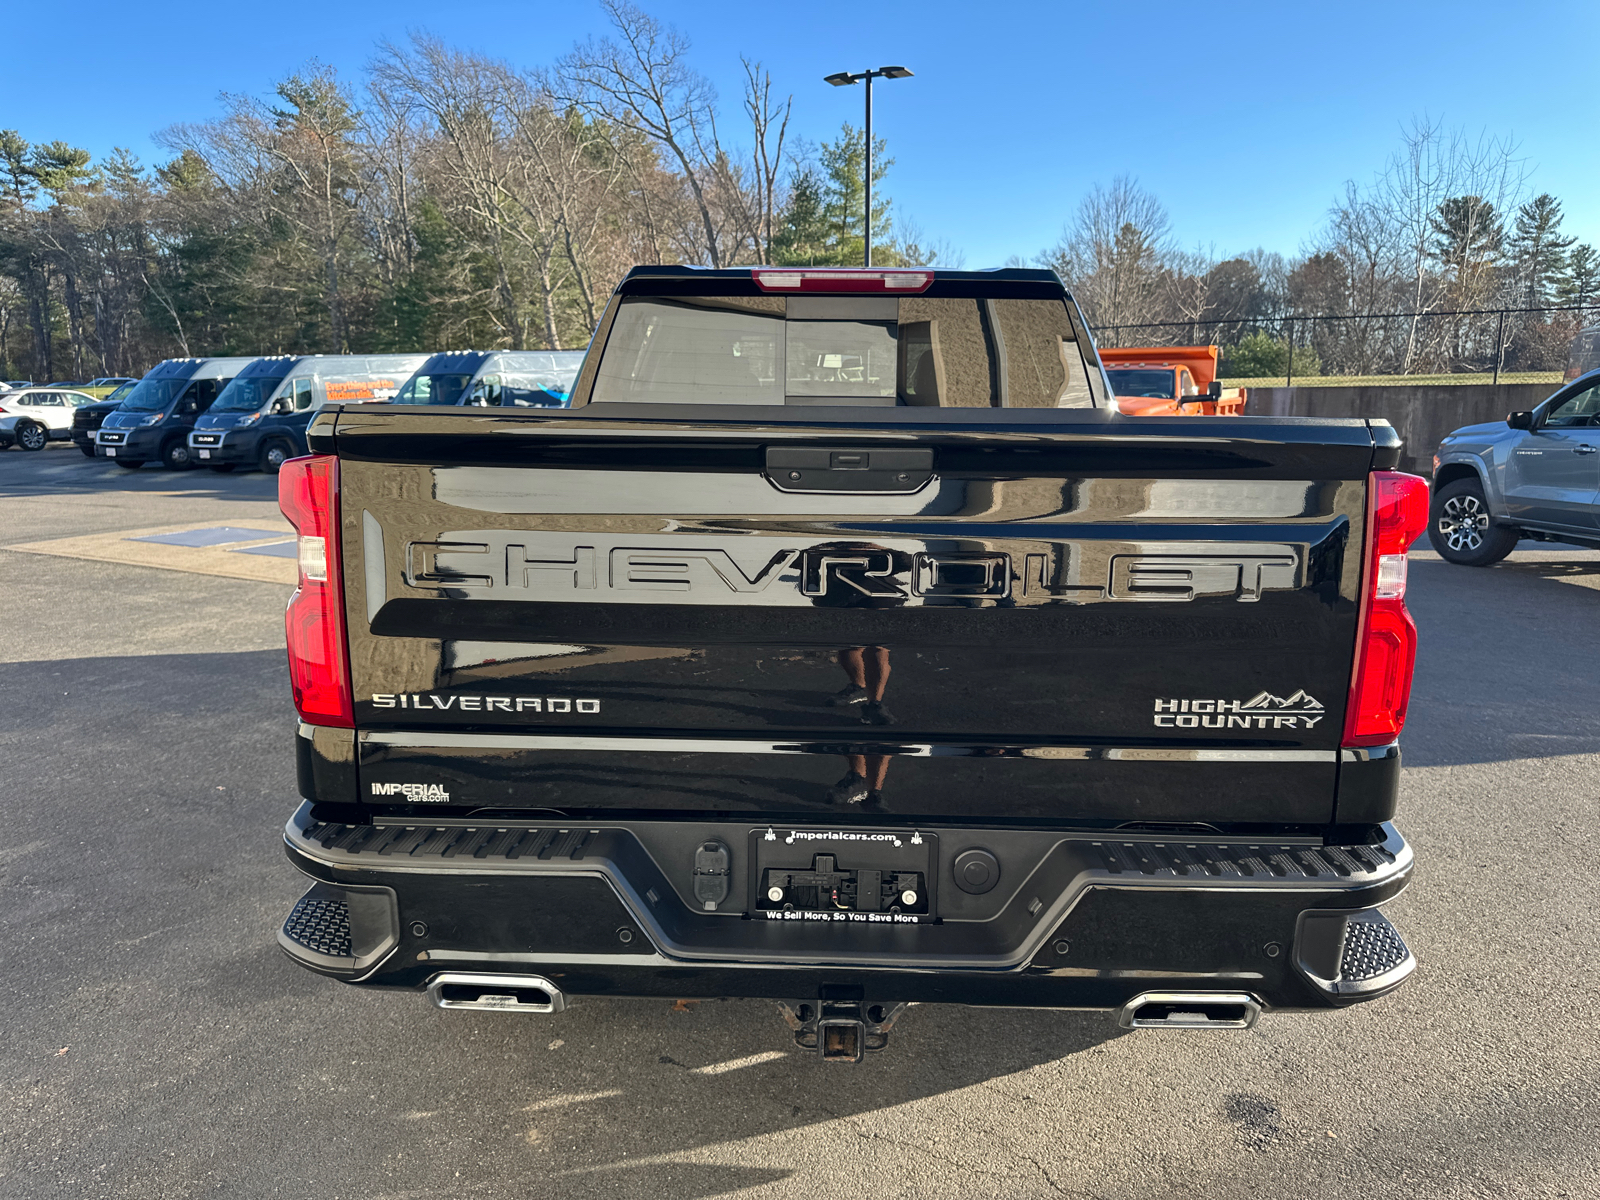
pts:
[1190, 1010]
[488, 992]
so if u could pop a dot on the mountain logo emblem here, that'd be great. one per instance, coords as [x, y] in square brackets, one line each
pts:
[1264, 710]
[1300, 702]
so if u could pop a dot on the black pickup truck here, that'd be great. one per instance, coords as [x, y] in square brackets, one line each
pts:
[840, 646]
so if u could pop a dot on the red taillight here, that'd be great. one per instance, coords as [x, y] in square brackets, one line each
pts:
[1386, 639]
[308, 494]
[842, 279]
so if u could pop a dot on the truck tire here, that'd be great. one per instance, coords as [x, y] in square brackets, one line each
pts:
[273, 456]
[176, 456]
[88, 451]
[31, 435]
[1461, 530]
[133, 464]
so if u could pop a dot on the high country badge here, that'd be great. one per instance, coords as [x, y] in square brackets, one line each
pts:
[1261, 711]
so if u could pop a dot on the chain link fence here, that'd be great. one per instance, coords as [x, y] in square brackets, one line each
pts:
[1437, 342]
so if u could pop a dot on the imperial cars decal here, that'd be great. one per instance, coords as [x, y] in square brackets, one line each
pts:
[415, 793]
[1261, 711]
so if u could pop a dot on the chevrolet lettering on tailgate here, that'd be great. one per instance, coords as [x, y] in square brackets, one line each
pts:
[655, 570]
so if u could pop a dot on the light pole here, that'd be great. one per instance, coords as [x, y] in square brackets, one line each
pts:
[844, 79]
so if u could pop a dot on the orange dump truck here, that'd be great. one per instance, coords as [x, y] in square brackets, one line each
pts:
[1170, 381]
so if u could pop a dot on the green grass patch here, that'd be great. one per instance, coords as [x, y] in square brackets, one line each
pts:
[1550, 377]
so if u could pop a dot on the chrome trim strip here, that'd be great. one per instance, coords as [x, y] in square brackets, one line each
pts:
[428, 740]
[1354, 754]
[374, 571]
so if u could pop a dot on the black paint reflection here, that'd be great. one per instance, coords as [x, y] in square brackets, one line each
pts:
[860, 575]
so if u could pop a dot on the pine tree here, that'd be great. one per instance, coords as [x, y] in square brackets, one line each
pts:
[844, 195]
[1579, 282]
[1468, 237]
[802, 238]
[1539, 249]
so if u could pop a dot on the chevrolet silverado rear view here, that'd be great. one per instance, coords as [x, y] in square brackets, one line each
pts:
[842, 646]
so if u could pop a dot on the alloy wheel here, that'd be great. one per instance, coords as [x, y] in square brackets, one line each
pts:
[1462, 521]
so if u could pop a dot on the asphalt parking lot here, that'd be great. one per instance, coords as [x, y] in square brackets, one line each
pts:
[155, 1043]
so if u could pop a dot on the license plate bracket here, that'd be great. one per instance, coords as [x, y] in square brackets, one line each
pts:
[843, 877]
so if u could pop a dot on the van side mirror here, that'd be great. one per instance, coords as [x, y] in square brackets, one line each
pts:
[282, 406]
[1214, 389]
[1520, 420]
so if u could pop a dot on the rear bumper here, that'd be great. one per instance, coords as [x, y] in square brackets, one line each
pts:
[1075, 922]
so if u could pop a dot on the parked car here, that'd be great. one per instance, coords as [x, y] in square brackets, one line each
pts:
[154, 419]
[25, 433]
[261, 417]
[495, 379]
[1534, 475]
[50, 407]
[103, 387]
[87, 418]
[576, 689]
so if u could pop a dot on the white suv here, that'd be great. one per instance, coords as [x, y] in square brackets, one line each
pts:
[50, 407]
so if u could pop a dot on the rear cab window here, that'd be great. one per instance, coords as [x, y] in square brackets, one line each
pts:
[963, 340]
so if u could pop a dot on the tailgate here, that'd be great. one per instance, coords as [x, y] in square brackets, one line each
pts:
[1056, 617]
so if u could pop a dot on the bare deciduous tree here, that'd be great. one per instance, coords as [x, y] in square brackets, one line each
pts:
[1112, 252]
[642, 81]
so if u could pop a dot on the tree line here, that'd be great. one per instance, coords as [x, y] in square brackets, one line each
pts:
[445, 199]
[1448, 226]
[448, 199]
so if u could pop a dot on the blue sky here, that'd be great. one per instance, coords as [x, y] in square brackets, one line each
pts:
[1244, 118]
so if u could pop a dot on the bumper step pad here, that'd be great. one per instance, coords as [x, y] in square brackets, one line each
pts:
[1373, 948]
[321, 926]
[1350, 956]
[341, 931]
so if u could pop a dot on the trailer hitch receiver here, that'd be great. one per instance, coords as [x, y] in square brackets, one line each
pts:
[840, 1031]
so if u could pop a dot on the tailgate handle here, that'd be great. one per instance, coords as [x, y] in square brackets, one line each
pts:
[848, 468]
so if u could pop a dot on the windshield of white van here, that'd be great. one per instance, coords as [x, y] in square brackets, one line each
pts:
[433, 389]
[246, 394]
[153, 395]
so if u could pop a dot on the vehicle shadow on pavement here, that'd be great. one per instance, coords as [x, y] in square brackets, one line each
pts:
[602, 1093]
[1484, 689]
[1554, 568]
[145, 884]
[68, 473]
